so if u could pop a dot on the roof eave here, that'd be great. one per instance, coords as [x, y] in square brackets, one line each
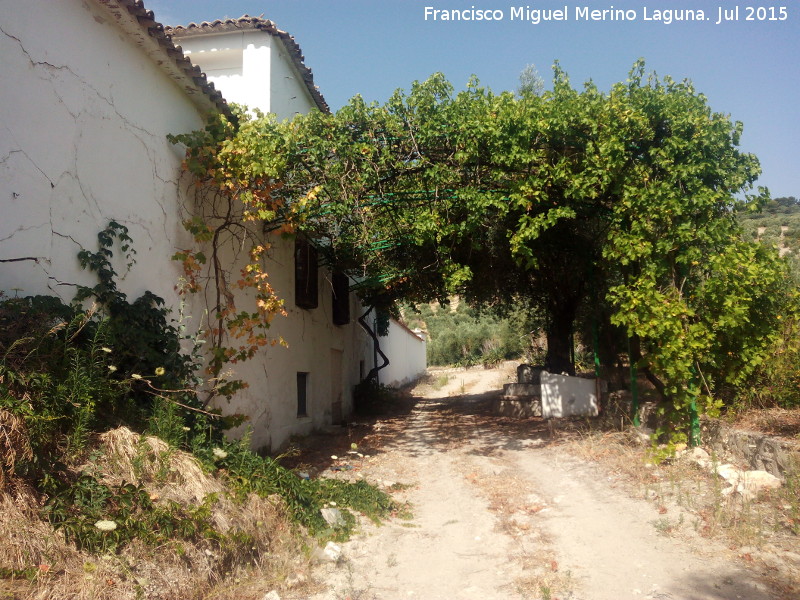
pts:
[140, 26]
[246, 23]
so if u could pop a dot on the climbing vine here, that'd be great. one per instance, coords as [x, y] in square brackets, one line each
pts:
[235, 202]
[555, 200]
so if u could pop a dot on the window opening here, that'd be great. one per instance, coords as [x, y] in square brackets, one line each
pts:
[302, 394]
[306, 293]
[341, 299]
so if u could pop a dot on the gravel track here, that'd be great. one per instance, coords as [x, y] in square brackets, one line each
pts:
[502, 511]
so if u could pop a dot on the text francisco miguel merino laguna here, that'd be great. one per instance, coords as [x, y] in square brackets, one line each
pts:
[585, 13]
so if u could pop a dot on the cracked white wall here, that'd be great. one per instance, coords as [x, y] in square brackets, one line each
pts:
[84, 116]
[330, 354]
[253, 68]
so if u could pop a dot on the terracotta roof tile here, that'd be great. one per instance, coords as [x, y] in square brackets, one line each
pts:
[150, 35]
[246, 22]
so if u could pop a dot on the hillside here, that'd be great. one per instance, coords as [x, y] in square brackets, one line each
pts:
[778, 224]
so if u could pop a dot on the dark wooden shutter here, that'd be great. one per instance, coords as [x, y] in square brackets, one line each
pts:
[341, 299]
[306, 293]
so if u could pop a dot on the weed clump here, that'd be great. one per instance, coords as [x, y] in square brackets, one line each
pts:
[115, 480]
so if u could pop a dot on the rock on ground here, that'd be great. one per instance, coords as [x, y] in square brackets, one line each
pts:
[502, 512]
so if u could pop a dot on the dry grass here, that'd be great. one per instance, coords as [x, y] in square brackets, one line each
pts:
[27, 541]
[14, 444]
[149, 460]
[693, 503]
[773, 421]
[166, 473]
[47, 568]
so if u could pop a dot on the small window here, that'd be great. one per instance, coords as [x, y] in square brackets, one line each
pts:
[302, 394]
[341, 299]
[306, 293]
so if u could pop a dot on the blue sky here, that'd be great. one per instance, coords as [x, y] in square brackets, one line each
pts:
[748, 69]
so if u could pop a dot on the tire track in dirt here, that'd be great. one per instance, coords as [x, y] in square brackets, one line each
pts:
[501, 512]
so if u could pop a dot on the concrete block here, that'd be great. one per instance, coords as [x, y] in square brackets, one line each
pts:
[521, 407]
[565, 396]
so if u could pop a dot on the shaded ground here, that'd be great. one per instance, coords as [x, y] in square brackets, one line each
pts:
[777, 422]
[507, 509]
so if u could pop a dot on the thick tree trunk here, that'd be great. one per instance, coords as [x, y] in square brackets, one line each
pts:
[559, 342]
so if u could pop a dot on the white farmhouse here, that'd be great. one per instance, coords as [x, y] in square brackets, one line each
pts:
[91, 89]
[254, 63]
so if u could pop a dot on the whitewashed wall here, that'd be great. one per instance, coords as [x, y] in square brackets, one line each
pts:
[330, 354]
[407, 355]
[252, 68]
[84, 116]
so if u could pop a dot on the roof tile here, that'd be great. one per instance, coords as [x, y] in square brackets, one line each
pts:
[246, 22]
[180, 67]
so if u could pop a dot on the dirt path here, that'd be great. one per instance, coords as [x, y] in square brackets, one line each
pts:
[500, 511]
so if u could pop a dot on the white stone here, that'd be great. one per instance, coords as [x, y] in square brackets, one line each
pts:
[332, 552]
[746, 483]
[755, 481]
[273, 595]
[729, 473]
[333, 517]
[699, 457]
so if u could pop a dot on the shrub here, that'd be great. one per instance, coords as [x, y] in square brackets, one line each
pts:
[66, 375]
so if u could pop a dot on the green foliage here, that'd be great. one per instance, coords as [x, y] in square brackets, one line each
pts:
[360, 496]
[570, 199]
[99, 519]
[466, 337]
[777, 225]
[232, 212]
[144, 338]
[66, 375]
[69, 373]
[59, 383]
[250, 473]
[30, 574]
[776, 380]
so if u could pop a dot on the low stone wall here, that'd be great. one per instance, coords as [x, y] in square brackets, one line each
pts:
[617, 408]
[523, 406]
[755, 449]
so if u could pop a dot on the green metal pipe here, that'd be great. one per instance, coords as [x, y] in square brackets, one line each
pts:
[634, 388]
